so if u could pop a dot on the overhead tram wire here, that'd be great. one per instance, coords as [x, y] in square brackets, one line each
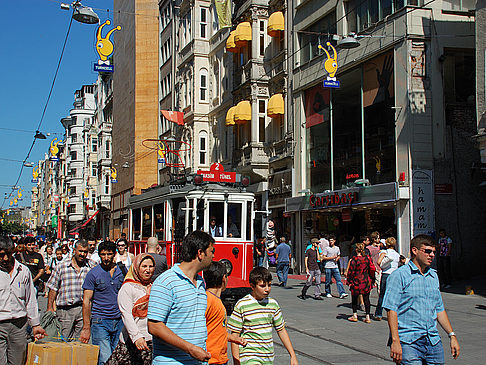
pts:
[44, 110]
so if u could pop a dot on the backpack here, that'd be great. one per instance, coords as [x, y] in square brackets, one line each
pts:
[123, 268]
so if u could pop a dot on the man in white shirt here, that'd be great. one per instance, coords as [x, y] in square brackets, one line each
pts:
[331, 257]
[18, 306]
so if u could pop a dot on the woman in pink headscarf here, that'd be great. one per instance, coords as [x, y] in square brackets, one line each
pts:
[135, 345]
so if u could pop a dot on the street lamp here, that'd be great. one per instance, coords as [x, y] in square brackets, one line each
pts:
[348, 42]
[82, 14]
[40, 135]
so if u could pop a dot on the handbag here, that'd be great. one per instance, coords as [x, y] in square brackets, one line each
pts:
[371, 270]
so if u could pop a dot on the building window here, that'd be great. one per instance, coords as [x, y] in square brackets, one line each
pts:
[203, 85]
[94, 170]
[317, 34]
[261, 120]
[72, 190]
[203, 148]
[262, 38]
[94, 145]
[203, 24]
[73, 155]
[74, 138]
[71, 209]
[73, 172]
[107, 184]
[107, 149]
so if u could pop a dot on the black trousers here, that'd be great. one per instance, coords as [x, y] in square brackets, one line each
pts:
[445, 275]
[366, 300]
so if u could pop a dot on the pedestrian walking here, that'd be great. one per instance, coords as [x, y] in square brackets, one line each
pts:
[345, 249]
[135, 343]
[414, 306]
[93, 256]
[101, 315]
[323, 243]
[154, 249]
[283, 255]
[253, 318]
[444, 262]
[34, 261]
[216, 278]
[18, 306]
[123, 256]
[312, 270]
[66, 291]
[360, 280]
[388, 261]
[331, 257]
[260, 251]
[178, 303]
[374, 251]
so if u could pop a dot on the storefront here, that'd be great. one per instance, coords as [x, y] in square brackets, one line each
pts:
[346, 213]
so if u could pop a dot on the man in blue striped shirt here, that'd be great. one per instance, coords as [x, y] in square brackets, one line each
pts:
[414, 306]
[177, 306]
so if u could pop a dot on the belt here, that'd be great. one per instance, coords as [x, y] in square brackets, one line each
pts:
[70, 306]
[12, 320]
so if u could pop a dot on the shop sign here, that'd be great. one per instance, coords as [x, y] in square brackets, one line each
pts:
[445, 189]
[423, 202]
[280, 183]
[331, 66]
[352, 176]
[54, 150]
[104, 48]
[333, 199]
[216, 173]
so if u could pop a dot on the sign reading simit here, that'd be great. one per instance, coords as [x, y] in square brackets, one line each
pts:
[333, 199]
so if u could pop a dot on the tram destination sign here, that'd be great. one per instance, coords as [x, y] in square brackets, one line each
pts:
[216, 173]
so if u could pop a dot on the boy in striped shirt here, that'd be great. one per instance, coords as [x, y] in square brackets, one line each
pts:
[253, 318]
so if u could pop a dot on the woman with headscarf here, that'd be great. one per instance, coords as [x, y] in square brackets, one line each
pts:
[135, 345]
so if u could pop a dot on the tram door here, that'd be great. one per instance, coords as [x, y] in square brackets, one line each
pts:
[178, 226]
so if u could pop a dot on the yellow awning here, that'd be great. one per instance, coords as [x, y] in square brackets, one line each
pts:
[230, 42]
[276, 24]
[276, 106]
[243, 34]
[230, 116]
[243, 112]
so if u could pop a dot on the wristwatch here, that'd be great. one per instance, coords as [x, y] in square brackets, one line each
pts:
[451, 334]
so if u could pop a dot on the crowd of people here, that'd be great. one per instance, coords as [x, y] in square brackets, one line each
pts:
[138, 311]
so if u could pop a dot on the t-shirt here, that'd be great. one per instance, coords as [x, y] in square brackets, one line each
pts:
[175, 301]
[393, 265]
[217, 342]
[444, 246]
[105, 292]
[330, 252]
[254, 321]
[311, 255]
[283, 252]
[34, 261]
[160, 264]
[375, 255]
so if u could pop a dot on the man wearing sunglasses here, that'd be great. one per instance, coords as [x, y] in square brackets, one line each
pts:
[414, 306]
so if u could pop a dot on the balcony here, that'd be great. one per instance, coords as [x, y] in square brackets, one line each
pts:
[250, 155]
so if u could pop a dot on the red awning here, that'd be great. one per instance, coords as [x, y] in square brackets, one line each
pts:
[175, 117]
[84, 224]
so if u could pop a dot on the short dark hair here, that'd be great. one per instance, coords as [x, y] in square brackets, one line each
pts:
[214, 274]
[260, 274]
[6, 244]
[193, 242]
[29, 239]
[90, 238]
[332, 237]
[81, 243]
[107, 246]
[59, 249]
[124, 240]
[421, 240]
[363, 238]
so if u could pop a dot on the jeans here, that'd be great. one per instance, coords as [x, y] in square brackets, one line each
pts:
[105, 333]
[283, 272]
[260, 261]
[379, 307]
[343, 263]
[313, 274]
[334, 272]
[422, 352]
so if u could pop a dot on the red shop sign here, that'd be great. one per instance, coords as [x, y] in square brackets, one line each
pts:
[216, 173]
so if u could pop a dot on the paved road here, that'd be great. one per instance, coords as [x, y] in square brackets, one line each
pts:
[321, 334]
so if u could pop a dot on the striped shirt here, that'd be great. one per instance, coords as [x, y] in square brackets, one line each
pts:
[175, 301]
[416, 299]
[254, 320]
[68, 282]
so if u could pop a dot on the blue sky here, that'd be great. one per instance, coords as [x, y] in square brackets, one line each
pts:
[32, 36]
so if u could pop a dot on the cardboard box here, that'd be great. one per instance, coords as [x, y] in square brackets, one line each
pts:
[62, 353]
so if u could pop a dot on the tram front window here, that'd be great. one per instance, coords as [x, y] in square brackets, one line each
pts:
[136, 215]
[234, 220]
[216, 219]
[159, 221]
[147, 223]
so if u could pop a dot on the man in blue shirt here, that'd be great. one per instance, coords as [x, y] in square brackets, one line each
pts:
[414, 306]
[283, 255]
[177, 306]
[101, 315]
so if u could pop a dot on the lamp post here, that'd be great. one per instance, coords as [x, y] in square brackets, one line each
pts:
[81, 13]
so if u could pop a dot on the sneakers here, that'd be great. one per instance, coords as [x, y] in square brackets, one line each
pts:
[328, 295]
[303, 297]
[343, 295]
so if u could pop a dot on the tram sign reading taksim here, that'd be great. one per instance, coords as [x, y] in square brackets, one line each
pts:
[216, 173]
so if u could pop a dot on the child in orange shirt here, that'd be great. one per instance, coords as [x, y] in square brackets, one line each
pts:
[217, 343]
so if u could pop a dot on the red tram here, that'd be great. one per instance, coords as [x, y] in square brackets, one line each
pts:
[171, 212]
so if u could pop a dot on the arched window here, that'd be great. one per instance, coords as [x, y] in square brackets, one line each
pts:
[203, 148]
[203, 85]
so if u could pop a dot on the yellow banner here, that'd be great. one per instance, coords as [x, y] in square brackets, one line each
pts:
[223, 8]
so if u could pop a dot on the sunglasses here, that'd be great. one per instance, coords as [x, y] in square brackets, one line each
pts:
[122, 245]
[428, 251]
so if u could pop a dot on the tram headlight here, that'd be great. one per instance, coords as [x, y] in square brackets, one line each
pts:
[228, 264]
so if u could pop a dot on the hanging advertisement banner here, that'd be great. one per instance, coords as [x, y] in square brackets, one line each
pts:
[114, 175]
[54, 150]
[223, 9]
[423, 216]
[104, 48]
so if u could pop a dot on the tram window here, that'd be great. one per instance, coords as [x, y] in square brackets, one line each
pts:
[147, 223]
[216, 218]
[200, 215]
[136, 223]
[159, 219]
[190, 223]
[234, 220]
[179, 218]
[248, 222]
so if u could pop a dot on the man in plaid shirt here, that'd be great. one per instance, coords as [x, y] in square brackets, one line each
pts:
[66, 289]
